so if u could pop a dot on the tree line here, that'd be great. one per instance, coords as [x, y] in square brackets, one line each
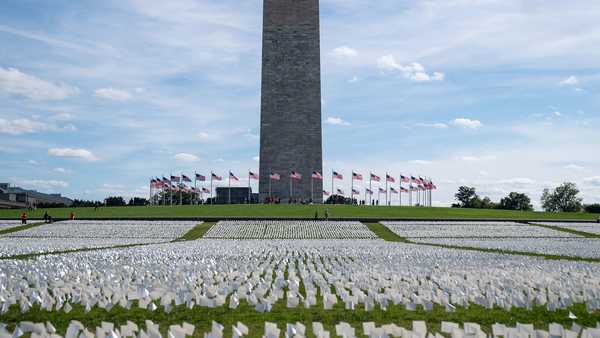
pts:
[564, 198]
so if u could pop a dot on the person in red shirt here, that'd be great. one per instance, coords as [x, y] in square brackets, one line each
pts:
[24, 218]
[72, 216]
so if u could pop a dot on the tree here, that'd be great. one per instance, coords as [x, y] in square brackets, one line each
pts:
[115, 201]
[516, 201]
[562, 199]
[138, 201]
[467, 197]
[593, 208]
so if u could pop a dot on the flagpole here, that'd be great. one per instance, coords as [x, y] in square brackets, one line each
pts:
[248, 186]
[195, 188]
[312, 183]
[150, 198]
[332, 193]
[386, 189]
[291, 188]
[352, 187]
[270, 196]
[371, 188]
[229, 196]
[211, 188]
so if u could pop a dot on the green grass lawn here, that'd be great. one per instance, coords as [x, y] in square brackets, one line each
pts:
[303, 211]
[203, 317]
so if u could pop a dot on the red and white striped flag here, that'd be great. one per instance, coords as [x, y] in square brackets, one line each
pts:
[375, 178]
[403, 189]
[390, 179]
[317, 175]
[404, 179]
[369, 191]
[383, 191]
[326, 193]
[233, 177]
[337, 176]
[215, 177]
[355, 192]
[253, 176]
[200, 178]
[275, 177]
[340, 192]
[175, 179]
[393, 191]
[185, 178]
[295, 176]
[356, 176]
[206, 190]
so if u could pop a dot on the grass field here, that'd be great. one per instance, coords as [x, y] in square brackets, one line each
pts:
[297, 211]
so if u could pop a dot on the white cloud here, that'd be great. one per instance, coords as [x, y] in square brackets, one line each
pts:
[354, 79]
[41, 184]
[33, 162]
[472, 158]
[570, 81]
[256, 158]
[467, 123]
[593, 181]
[62, 170]
[185, 157]
[15, 82]
[344, 51]
[420, 162]
[73, 153]
[432, 125]
[336, 121]
[413, 71]
[112, 94]
[573, 166]
[557, 114]
[20, 126]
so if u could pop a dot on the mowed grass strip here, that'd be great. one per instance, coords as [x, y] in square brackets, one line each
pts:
[197, 232]
[297, 211]
[280, 314]
[571, 231]
[20, 228]
[385, 233]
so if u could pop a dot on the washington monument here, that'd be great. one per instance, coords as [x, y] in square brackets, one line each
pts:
[290, 128]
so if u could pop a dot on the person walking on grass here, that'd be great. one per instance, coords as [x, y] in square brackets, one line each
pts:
[72, 216]
[24, 218]
[46, 217]
[316, 215]
[327, 214]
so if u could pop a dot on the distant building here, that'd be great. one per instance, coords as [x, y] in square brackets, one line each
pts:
[15, 197]
[239, 195]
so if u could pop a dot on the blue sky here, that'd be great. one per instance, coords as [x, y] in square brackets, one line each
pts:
[97, 96]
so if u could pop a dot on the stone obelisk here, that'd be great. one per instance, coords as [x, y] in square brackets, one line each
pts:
[290, 128]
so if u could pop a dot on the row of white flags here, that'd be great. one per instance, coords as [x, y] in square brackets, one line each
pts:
[178, 183]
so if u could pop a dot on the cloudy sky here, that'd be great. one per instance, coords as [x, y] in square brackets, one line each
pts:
[97, 96]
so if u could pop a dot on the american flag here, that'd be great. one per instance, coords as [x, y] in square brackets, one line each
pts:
[420, 187]
[356, 176]
[233, 177]
[375, 178]
[340, 191]
[403, 189]
[185, 178]
[215, 177]
[295, 176]
[317, 175]
[390, 179]
[206, 190]
[404, 179]
[383, 191]
[421, 180]
[369, 191]
[337, 176]
[275, 177]
[355, 192]
[175, 179]
[165, 180]
[253, 176]
[412, 188]
[393, 191]
[326, 193]
[200, 178]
